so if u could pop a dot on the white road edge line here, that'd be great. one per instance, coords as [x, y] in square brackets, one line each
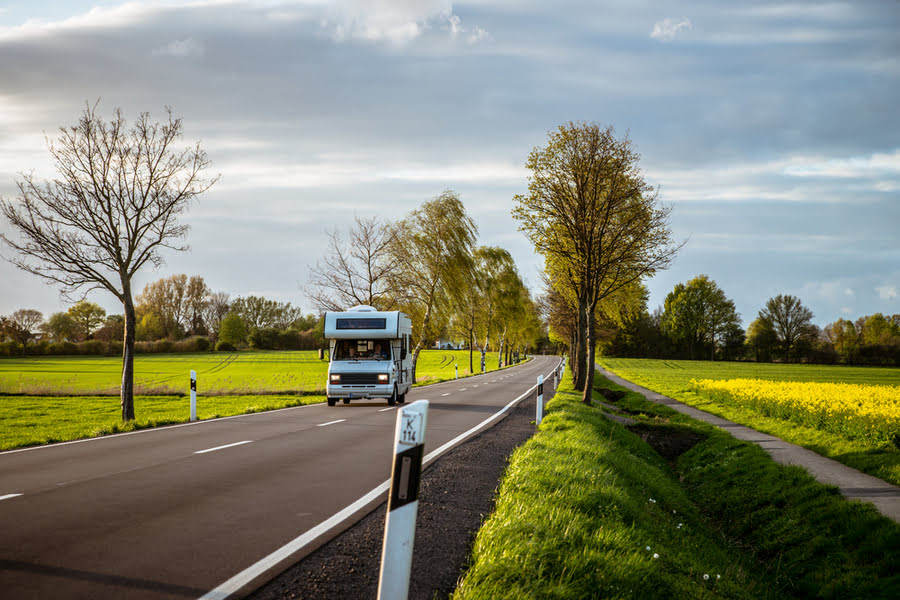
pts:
[226, 589]
[223, 447]
[8, 496]
[330, 423]
[388, 408]
[447, 394]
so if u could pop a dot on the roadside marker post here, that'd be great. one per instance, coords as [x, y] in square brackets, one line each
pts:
[403, 502]
[540, 399]
[193, 395]
[456, 370]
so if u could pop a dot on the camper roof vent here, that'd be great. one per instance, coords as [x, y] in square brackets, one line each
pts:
[362, 308]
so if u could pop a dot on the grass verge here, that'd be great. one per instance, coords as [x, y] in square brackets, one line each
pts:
[587, 509]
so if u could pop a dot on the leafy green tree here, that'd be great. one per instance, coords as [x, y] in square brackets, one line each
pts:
[258, 312]
[878, 330]
[60, 327]
[112, 210]
[233, 330]
[178, 301]
[597, 223]
[698, 312]
[762, 338]
[843, 337]
[87, 317]
[433, 253]
[112, 329]
[791, 321]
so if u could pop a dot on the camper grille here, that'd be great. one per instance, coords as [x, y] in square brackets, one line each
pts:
[359, 378]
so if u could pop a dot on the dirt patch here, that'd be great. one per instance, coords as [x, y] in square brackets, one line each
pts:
[611, 395]
[456, 494]
[669, 442]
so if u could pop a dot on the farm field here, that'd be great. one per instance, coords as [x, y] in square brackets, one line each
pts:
[849, 414]
[54, 399]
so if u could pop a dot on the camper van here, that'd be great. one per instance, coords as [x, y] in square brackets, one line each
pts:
[369, 352]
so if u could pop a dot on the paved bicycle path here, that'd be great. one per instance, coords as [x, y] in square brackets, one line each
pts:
[852, 483]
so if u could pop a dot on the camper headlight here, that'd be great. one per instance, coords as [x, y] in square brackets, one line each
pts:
[335, 378]
[383, 378]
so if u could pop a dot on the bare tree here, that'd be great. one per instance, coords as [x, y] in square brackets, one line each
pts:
[23, 325]
[215, 308]
[357, 270]
[790, 320]
[113, 208]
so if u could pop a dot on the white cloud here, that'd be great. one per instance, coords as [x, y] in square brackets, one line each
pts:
[887, 292]
[858, 166]
[180, 49]
[667, 29]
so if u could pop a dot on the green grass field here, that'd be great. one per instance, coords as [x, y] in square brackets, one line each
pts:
[672, 378]
[586, 509]
[54, 399]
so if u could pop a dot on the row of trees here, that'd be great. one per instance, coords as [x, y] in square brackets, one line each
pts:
[697, 320]
[428, 265]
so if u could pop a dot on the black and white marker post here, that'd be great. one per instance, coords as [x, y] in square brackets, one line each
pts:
[403, 502]
[193, 395]
[540, 400]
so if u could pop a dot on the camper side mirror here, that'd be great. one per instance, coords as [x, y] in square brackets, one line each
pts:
[403, 354]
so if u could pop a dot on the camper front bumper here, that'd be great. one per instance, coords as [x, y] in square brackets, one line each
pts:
[359, 390]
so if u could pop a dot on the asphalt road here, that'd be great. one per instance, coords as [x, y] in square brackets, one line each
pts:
[179, 511]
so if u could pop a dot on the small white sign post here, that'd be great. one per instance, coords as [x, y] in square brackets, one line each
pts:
[193, 395]
[456, 370]
[540, 399]
[403, 502]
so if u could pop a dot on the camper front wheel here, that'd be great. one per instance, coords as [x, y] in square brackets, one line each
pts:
[332, 401]
[393, 399]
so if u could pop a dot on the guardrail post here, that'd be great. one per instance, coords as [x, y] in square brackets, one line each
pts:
[403, 502]
[540, 399]
[193, 395]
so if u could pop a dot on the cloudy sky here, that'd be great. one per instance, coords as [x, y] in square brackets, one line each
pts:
[773, 129]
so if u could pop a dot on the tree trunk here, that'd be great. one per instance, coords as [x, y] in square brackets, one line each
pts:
[591, 343]
[471, 351]
[415, 360]
[127, 390]
[579, 365]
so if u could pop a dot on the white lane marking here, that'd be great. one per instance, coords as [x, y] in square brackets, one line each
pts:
[447, 394]
[233, 585]
[243, 578]
[476, 385]
[155, 429]
[8, 496]
[246, 576]
[388, 408]
[330, 423]
[223, 447]
[463, 389]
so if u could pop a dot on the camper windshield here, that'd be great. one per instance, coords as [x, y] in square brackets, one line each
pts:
[362, 350]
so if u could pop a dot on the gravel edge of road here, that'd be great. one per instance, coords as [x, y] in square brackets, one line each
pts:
[457, 493]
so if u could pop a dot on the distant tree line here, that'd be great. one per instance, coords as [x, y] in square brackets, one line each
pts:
[698, 321]
[173, 314]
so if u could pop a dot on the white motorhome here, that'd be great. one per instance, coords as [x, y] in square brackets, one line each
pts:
[369, 355]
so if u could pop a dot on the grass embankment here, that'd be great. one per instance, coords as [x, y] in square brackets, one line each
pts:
[588, 510]
[56, 399]
[673, 378]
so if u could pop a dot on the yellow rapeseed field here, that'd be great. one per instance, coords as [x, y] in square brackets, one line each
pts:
[864, 412]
